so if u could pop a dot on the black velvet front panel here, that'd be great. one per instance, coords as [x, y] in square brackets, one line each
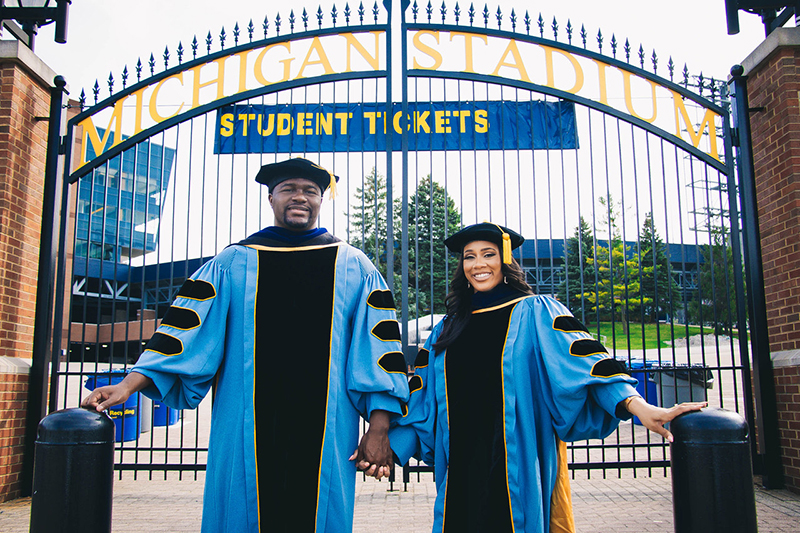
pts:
[293, 335]
[477, 493]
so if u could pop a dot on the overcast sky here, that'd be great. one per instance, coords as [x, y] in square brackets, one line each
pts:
[106, 35]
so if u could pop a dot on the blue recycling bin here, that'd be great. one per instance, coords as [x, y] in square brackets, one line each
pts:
[647, 385]
[125, 416]
[163, 415]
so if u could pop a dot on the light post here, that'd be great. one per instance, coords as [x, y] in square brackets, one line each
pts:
[33, 14]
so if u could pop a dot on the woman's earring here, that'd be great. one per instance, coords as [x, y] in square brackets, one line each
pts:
[505, 280]
[468, 285]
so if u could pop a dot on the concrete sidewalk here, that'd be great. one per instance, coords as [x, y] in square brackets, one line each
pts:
[608, 505]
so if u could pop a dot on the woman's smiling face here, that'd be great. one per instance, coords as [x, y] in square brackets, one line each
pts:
[482, 265]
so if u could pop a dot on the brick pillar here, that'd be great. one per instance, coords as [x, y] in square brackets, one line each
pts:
[24, 95]
[773, 85]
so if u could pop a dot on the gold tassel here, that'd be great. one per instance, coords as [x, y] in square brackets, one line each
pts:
[506, 248]
[333, 186]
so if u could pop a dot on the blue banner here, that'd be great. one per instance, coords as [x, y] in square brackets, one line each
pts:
[362, 127]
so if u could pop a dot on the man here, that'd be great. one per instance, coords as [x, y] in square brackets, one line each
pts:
[297, 332]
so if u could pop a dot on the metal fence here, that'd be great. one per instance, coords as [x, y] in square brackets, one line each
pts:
[625, 222]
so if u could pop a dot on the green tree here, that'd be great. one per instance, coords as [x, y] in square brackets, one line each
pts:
[657, 284]
[432, 217]
[579, 275]
[617, 294]
[715, 303]
[368, 227]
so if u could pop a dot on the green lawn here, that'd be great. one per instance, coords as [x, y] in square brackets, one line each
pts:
[643, 335]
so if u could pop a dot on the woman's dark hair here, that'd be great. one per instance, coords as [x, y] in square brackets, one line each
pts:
[459, 300]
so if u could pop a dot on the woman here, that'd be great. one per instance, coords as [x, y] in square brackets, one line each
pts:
[503, 381]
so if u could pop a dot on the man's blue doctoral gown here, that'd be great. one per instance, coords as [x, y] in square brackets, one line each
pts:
[492, 413]
[298, 341]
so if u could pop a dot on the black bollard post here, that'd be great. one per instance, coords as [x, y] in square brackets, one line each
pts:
[712, 476]
[73, 473]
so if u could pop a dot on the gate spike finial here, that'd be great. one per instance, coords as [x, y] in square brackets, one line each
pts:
[139, 70]
[209, 40]
[627, 51]
[250, 30]
[671, 68]
[600, 40]
[700, 84]
[641, 56]
[361, 13]
[513, 20]
[265, 26]
[443, 11]
[554, 26]
[180, 52]
[166, 58]
[685, 76]
[471, 13]
[375, 12]
[195, 44]
[485, 16]
[124, 77]
[457, 13]
[614, 46]
[152, 64]
[429, 11]
[304, 18]
[347, 14]
[82, 99]
[96, 91]
[110, 84]
[278, 24]
[291, 21]
[569, 31]
[654, 59]
[334, 14]
[499, 16]
[319, 17]
[584, 35]
[540, 22]
[527, 23]
[236, 35]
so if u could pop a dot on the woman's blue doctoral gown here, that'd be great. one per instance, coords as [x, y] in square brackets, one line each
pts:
[298, 341]
[492, 413]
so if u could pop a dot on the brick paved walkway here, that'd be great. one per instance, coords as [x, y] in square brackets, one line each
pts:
[640, 505]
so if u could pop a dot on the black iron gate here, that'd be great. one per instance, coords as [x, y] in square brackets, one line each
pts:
[622, 182]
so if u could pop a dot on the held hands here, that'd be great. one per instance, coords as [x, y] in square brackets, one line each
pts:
[374, 454]
[654, 418]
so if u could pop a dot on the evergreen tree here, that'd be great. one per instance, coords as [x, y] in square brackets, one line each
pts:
[579, 275]
[368, 227]
[715, 303]
[657, 284]
[432, 217]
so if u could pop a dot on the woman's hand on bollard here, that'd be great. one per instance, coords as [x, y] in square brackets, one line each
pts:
[654, 418]
[102, 398]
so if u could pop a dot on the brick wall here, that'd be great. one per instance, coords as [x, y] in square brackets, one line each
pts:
[13, 410]
[787, 385]
[24, 96]
[776, 151]
[773, 85]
